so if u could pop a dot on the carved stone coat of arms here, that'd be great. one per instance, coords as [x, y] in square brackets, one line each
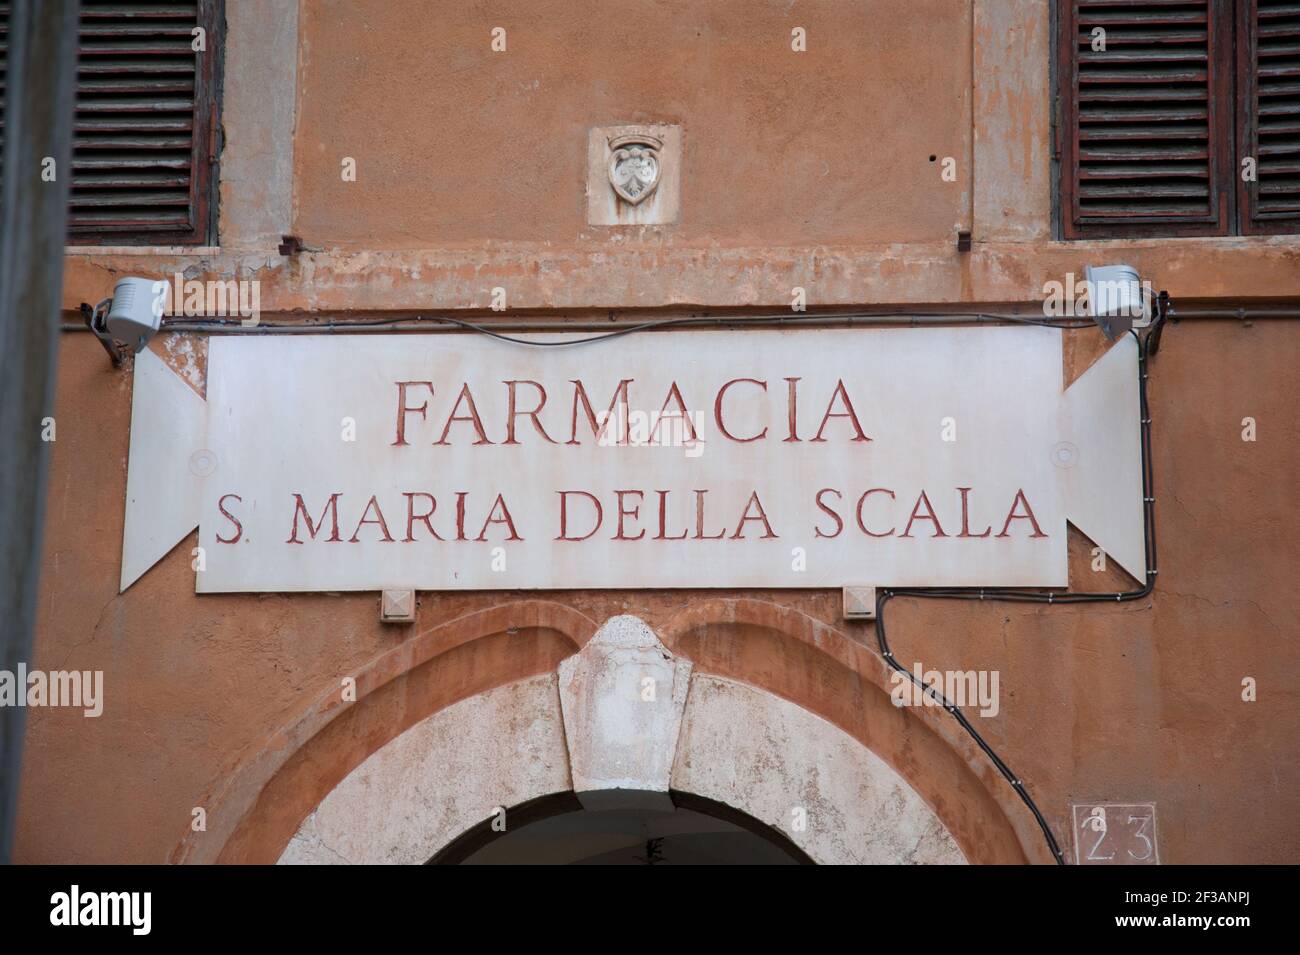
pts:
[634, 167]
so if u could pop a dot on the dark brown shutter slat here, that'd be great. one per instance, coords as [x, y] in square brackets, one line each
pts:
[1144, 113]
[179, 49]
[1117, 130]
[141, 135]
[131, 104]
[1269, 62]
[109, 164]
[1145, 94]
[107, 66]
[1148, 170]
[150, 123]
[93, 30]
[146, 178]
[151, 221]
[1150, 54]
[1148, 76]
[115, 197]
[127, 11]
[128, 143]
[130, 86]
[1145, 122]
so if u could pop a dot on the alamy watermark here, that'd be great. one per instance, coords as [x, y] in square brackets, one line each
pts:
[961, 688]
[651, 429]
[202, 298]
[75, 907]
[1075, 297]
[76, 688]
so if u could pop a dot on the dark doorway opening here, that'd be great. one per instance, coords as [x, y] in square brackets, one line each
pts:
[657, 829]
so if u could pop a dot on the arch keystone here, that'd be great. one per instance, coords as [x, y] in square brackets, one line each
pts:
[622, 698]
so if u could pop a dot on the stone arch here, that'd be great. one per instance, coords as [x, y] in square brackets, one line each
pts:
[625, 719]
[726, 647]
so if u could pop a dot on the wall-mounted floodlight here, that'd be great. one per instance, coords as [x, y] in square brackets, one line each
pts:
[1117, 300]
[131, 316]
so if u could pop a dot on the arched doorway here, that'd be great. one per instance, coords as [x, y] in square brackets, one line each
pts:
[759, 707]
[614, 740]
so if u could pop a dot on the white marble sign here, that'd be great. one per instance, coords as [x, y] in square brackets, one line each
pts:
[802, 458]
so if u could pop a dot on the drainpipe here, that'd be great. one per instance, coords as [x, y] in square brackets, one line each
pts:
[33, 225]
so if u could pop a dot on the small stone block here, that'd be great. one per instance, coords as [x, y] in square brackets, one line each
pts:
[859, 603]
[397, 606]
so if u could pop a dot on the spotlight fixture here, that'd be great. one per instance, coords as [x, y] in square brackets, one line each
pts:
[132, 315]
[1117, 300]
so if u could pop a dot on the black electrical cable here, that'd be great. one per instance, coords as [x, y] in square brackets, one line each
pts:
[237, 325]
[674, 322]
[1149, 538]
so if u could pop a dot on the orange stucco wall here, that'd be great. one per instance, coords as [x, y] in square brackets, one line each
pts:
[474, 145]
[798, 169]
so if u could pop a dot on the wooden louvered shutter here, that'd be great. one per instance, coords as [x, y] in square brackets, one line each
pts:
[1145, 125]
[144, 143]
[1269, 114]
[144, 139]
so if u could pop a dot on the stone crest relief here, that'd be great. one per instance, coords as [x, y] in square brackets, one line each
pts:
[635, 166]
[634, 174]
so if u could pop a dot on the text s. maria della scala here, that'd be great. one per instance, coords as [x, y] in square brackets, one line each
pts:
[628, 514]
